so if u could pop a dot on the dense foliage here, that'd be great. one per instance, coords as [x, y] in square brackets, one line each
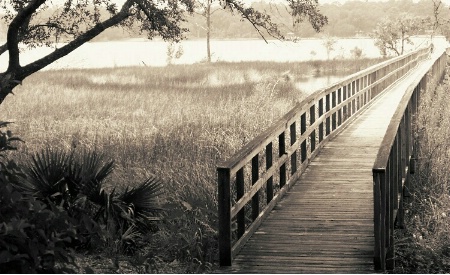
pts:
[55, 203]
[392, 35]
[424, 245]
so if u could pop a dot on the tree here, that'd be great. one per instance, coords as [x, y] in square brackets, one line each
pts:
[329, 42]
[206, 10]
[37, 22]
[356, 53]
[439, 21]
[391, 35]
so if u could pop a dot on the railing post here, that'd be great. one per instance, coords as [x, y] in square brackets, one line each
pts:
[302, 131]
[281, 152]
[344, 108]
[339, 96]
[390, 210]
[353, 101]
[333, 116]
[224, 202]
[379, 219]
[321, 124]
[255, 177]
[293, 134]
[312, 119]
[239, 194]
[358, 95]
[269, 162]
[327, 121]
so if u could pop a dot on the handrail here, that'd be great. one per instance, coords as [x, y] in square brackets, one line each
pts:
[309, 125]
[395, 163]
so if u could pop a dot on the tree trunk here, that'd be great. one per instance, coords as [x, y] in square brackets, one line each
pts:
[208, 30]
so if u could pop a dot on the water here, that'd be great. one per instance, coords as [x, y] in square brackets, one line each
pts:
[137, 52]
[154, 53]
[312, 84]
[140, 52]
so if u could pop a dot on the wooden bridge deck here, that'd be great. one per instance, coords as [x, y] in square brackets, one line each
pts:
[325, 222]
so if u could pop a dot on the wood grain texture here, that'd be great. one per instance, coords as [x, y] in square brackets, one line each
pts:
[325, 222]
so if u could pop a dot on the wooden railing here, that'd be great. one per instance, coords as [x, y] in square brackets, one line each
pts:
[296, 137]
[394, 164]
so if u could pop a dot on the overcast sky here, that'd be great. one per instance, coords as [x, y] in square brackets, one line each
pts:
[447, 2]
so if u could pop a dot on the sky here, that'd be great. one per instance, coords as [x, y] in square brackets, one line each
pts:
[446, 2]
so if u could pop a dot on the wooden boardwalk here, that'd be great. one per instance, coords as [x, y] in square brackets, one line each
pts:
[325, 222]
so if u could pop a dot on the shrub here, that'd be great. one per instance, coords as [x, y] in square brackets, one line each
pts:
[30, 229]
[75, 180]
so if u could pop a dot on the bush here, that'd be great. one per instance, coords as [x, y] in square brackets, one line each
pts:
[75, 180]
[31, 229]
[56, 202]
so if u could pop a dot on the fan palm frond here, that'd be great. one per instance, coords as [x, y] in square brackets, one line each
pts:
[142, 201]
[44, 173]
[87, 173]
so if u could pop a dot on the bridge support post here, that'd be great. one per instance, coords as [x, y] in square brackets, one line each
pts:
[390, 258]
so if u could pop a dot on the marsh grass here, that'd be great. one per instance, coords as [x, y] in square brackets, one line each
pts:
[174, 122]
[424, 246]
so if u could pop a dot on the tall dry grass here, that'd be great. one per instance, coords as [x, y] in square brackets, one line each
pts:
[174, 122]
[424, 247]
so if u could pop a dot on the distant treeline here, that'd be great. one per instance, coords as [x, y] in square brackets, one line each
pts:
[350, 19]
[353, 18]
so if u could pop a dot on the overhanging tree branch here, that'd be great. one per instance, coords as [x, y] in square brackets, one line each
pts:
[3, 48]
[12, 41]
[80, 40]
[82, 21]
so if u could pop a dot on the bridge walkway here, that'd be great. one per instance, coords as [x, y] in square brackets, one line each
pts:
[325, 222]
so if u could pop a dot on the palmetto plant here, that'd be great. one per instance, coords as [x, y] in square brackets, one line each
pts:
[45, 175]
[140, 204]
[76, 181]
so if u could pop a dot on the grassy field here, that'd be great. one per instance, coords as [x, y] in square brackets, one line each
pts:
[424, 246]
[174, 122]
